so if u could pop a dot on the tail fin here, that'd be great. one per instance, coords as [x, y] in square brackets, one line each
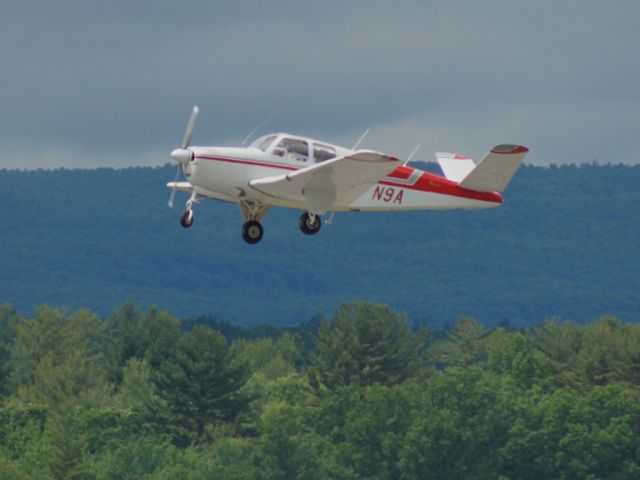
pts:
[455, 166]
[495, 170]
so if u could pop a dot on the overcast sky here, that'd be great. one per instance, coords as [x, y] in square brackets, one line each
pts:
[111, 83]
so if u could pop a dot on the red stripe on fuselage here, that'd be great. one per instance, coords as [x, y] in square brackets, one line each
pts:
[428, 182]
[246, 162]
[401, 172]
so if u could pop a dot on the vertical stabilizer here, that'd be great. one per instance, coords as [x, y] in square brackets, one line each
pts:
[496, 169]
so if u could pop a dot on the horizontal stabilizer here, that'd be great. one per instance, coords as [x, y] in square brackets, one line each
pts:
[180, 186]
[496, 169]
[454, 166]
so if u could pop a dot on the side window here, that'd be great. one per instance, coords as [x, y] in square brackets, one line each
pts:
[292, 149]
[323, 152]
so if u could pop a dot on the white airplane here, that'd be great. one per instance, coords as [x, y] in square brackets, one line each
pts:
[318, 177]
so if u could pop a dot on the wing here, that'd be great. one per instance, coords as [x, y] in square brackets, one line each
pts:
[335, 182]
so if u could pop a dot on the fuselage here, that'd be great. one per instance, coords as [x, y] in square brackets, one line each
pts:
[224, 173]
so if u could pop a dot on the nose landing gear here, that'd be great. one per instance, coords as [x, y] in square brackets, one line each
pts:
[186, 220]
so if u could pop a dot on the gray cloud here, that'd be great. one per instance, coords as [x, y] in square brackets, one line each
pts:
[112, 83]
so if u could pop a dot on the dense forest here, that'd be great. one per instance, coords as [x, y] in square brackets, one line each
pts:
[565, 243]
[360, 394]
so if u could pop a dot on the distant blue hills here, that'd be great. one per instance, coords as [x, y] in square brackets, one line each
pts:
[564, 244]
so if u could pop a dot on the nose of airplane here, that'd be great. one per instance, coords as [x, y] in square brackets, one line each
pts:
[182, 155]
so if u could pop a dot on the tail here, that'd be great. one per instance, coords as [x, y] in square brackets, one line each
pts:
[492, 174]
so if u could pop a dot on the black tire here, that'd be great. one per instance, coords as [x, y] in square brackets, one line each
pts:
[186, 220]
[307, 226]
[252, 232]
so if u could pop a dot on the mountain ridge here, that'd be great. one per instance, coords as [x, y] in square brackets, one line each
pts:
[563, 244]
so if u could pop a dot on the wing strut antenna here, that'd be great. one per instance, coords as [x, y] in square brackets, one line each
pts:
[329, 220]
[415, 150]
[246, 139]
[366, 132]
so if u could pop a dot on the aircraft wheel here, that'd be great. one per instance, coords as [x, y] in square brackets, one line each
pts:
[252, 232]
[309, 226]
[186, 220]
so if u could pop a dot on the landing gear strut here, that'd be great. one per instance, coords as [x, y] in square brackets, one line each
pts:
[309, 223]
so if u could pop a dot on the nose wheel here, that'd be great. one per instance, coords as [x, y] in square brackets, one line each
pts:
[186, 220]
[309, 223]
[252, 232]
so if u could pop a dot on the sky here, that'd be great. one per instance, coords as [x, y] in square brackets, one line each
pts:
[111, 83]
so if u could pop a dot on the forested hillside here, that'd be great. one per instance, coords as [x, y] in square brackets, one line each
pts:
[563, 244]
[361, 395]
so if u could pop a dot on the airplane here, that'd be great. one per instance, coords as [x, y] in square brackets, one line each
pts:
[318, 177]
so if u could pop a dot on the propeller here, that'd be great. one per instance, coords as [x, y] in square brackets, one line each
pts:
[182, 155]
[173, 190]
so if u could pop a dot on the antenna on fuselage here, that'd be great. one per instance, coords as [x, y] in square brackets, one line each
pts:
[415, 150]
[366, 132]
[246, 139]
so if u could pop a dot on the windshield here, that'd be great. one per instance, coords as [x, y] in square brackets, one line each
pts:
[263, 142]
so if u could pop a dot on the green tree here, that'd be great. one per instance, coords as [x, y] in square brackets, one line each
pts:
[510, 354]
[57, 359]
[136, 457]
[273, 375]
[9, 319]
[137, 391]
[567, 435]
[603, 352]
[289, 447]
[149, 336]
[272, 359]
[201, 384]
[465, 343]
[69, 441]
[364, 345]
[375, 431]
[556, 347]
[461, 421]
[24, 442]
[610, 352]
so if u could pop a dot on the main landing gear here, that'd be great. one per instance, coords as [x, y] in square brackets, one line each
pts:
[252, 232]
[252, 213]
[309, 223]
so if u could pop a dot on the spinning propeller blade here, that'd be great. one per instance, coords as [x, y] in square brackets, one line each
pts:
[181, 155]
[186, 141]
[173, 190]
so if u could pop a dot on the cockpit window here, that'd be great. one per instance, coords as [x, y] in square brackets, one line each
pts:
[293, 148]
[323, 152]
[264, 142]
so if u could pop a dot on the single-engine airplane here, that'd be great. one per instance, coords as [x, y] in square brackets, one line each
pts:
[318, 177]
